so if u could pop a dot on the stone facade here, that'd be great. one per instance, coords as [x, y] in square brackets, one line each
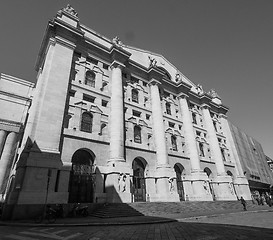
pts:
[253, 161]
[113, 123]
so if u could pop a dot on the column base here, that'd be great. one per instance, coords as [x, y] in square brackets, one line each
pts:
[196, 187]
[223, 188]
[117, 183]
[165, 189]
[242, 188]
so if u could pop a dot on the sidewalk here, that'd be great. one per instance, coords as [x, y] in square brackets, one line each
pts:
[95, 221]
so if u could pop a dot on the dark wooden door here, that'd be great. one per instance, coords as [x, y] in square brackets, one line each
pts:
[139, 186]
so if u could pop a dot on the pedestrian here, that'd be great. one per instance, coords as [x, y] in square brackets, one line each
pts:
[243, 202]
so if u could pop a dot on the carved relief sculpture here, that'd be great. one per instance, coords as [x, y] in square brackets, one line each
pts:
[122, 182]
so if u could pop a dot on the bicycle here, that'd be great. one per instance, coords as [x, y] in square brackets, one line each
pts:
[49, 215]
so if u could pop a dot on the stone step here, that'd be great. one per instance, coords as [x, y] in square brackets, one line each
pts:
[113, 210]
[168, 208]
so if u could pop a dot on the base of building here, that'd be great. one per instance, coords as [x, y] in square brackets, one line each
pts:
[242, 188]
[196, 187]
[223, 189]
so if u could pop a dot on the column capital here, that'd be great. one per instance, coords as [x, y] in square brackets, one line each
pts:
[118, 54]
[183, 95]
[155, 73]
[65, 42]
[221, 115]
[205, 106]
[154, 82]
[117, 64]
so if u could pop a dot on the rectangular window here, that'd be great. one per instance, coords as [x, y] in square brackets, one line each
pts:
[198, 133]
[104, 103]
[72, 93]
[105, 66]
[171, 124]
[144, 84]
[136, 113]
[88, 98]
[148, 116]
[168, 109]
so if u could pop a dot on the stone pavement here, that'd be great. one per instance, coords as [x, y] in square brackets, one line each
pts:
[157, 231]
[214, 226]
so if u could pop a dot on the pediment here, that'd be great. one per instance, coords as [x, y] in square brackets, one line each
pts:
[80, 103]
[94, 108]
[97, 69]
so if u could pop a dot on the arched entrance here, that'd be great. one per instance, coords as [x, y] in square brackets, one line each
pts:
[178, 168]
[139, 186]
[81, 178]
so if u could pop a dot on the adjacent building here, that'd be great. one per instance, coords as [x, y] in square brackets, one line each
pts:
[113, 123]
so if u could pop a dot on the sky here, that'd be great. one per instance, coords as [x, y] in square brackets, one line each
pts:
[226, 45]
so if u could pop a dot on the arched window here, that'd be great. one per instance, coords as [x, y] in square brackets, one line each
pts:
[87, 122]
[174, 143]
[90, 78]
[194, 118]
[135, 95]
[201, 148]
[168, 108]
[137, 134]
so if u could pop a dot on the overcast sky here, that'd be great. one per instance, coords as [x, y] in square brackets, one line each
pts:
[222, 44]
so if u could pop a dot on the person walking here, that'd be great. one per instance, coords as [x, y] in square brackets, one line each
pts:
[243, 202]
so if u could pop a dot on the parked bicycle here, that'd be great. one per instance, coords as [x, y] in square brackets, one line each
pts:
[49, 215]
[79, 210]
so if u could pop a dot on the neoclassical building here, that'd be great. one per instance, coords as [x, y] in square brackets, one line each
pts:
[113, 123]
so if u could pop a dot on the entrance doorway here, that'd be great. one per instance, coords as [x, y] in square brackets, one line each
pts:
[178, 168]
[139, 186]
[81, 186]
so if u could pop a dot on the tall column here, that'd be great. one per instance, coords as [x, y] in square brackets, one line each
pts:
[189, 133]
[222, 183]
[158, 127]
[3, 135]
[164, 175]
[240, 182]
[6, 159]
[116, 115]
[214, 144]
[196, 184]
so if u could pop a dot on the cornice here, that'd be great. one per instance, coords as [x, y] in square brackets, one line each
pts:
[118, 54]
[12, 95]
[155, 74]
